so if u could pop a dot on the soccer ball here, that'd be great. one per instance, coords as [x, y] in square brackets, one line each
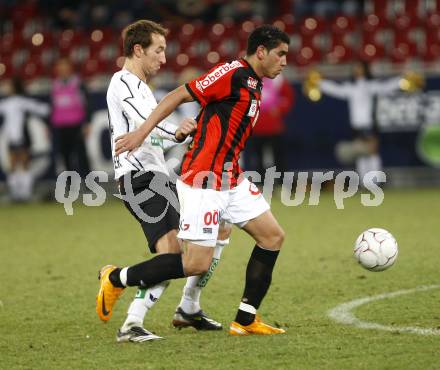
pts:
[375, 249]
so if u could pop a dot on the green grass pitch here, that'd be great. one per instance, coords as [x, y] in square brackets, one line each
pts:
[48, 281]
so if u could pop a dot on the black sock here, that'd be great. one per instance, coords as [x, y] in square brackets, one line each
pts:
[115, 279]
[162, 267]
[258, 279]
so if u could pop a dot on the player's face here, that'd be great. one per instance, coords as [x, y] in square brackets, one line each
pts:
[63, 69]
[154, 56]
[275, 60]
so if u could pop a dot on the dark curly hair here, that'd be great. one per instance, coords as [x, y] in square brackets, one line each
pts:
[268, 36]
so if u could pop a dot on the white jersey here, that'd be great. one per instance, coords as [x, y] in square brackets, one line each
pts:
[359, 95]
[130, 102]
[14, 110]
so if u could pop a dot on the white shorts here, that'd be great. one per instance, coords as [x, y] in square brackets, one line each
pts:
[202, 210]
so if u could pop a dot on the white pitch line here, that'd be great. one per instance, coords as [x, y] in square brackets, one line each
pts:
[343, 315]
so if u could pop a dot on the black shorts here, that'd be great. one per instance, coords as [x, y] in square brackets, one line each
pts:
[18, 147]
[157, 209]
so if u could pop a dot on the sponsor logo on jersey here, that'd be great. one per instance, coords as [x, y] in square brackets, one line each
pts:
[252, 83]
[199, 86]
[157, 141]
[254, 122]
[207, 230]
[253, 108]
[216, 74]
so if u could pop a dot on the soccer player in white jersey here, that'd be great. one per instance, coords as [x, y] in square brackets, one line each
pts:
[145, 175]
[15, 109]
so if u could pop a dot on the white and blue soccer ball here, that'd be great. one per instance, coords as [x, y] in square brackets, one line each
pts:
[376, 249]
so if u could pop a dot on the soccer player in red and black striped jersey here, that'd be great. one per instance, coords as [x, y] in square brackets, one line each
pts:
[211, 188]
[230, 96]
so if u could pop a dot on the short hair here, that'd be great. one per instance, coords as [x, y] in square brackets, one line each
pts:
[268, 36]
[140, 33]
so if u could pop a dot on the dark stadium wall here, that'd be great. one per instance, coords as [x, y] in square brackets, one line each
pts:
[314, 128]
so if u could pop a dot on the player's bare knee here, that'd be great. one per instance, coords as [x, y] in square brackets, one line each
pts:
[275, 240]
[168, 243]
[196, 260]
[192, 268]
[280, 238]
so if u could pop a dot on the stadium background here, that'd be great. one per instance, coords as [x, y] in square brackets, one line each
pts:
[49, 260]
[393, 35]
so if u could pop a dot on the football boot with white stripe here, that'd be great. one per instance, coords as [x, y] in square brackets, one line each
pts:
[198, 320]
[136, 334]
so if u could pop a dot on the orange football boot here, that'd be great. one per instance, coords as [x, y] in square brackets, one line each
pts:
[256, 327]
[107, 295]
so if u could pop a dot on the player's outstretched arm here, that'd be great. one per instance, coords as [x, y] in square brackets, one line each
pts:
[334, 89]
[130, 141]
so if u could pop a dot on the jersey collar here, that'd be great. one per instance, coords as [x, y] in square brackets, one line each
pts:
[251, 69]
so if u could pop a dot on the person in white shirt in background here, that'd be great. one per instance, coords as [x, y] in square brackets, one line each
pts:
[360, 94]
[16, 109]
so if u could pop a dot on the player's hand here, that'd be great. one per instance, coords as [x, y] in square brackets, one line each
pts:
[187, 127]
[128, 142]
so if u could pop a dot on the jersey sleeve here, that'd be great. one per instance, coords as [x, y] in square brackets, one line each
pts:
[385, 87]
[165, 130]
[35, 107]
[137, 107]
[214, 85]
[334, 89]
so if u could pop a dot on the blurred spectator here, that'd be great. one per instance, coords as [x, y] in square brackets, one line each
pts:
[276, 101]
[15, 109]
[360, 94]
[70, 118]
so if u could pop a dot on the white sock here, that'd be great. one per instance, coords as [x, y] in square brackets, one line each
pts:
[13, 185]
[20, 184]
[26, 182]
[362, 165]
[144, 301]
[123, 276]
[374, 162]
[190, 301]
[368, 163]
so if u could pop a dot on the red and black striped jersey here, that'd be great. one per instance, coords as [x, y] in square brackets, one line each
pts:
[230, 96]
